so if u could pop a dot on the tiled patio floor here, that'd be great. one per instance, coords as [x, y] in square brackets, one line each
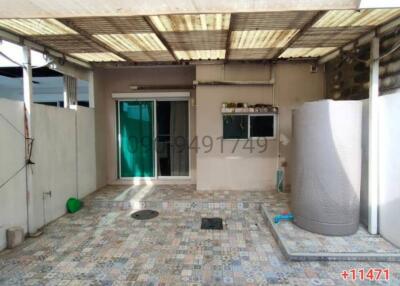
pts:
[173, 192]
[172, 197]
[299, 244]
[100, 246]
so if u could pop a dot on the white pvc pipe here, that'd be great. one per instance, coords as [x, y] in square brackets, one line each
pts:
[28, 93]
[373, 139]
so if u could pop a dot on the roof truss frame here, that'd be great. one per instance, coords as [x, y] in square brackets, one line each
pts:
[160, 37]
[71, 25]
[171, 51]
[303, 29]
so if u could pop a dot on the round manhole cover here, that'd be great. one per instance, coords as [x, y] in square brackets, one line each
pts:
[144, 214]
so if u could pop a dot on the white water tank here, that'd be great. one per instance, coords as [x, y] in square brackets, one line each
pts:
[326, 166]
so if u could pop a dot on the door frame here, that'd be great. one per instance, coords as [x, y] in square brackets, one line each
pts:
[164, 96]
[188, 141]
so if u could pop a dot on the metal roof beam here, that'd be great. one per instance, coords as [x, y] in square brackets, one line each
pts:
[363, 39]
[228, 39]
[303, 29]
[40, 48]
[161, 38]
[90, 37]
[199, 62]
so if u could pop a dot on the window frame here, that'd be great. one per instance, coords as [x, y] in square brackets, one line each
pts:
[274, 116]
[235, 114]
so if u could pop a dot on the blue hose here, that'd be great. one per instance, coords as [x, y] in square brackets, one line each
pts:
[280, 217]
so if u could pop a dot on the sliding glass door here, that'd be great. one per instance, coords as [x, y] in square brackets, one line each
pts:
[172, 138]
[153, 138]
[136, 126]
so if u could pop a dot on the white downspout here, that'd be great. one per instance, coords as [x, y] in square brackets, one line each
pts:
[373, 187]
[28, 101]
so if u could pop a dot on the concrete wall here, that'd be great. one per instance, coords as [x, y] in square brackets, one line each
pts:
[231, 169]
[55, 161]
[239, 169]
[12, 158]
[109, 81]
[389, 167]
[100, 130]
[86, 151]
[243, 169]
[64, 156]
[294, 85]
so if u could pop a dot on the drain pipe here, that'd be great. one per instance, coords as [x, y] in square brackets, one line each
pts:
[373, 156]
[277, 125]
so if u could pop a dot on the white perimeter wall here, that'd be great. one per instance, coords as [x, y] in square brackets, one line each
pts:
[389, 167]
[54, 156]
[12, 158]
[86, 151]
[64, 154]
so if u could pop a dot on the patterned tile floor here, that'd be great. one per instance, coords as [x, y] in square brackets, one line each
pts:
[302, 244]
[172, 196]
[172, 192]
[107, 247]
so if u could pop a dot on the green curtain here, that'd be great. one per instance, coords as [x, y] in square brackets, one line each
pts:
[136, 131]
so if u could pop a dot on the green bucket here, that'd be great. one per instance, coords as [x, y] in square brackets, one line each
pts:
[73, 205]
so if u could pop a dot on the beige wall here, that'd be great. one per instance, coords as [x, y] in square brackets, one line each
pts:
[295, 85]
[118, 80]
[243, 169]
[214, 170]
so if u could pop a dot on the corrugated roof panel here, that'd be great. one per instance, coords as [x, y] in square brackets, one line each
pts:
[271, 20]
[196, 40]
[306, 52]
[328, 37]
[252, 54]
[112, 25]
[31, 27]
[132, 42]
[199, 22]
[200, 55]
[98, 57]
[69, 43]
[261, 39]
[369, 17]
[149, 56]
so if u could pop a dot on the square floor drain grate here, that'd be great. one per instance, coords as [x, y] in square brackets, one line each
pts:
[211, 223]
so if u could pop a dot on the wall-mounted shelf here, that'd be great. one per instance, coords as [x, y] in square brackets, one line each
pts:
[249, 110]
[236, 82]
